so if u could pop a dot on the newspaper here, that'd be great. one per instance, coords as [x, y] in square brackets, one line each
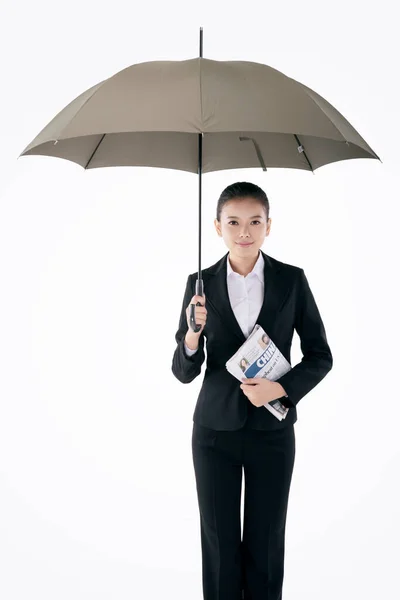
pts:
[259, 357]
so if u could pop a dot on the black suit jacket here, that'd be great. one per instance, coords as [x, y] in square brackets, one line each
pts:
[288, 304]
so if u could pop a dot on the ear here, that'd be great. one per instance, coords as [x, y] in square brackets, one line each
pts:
[217, 227]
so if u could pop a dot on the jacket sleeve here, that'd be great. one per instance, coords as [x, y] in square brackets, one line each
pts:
[184, 367]
[317, 358]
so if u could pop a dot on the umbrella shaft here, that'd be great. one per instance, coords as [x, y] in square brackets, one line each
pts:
[199, 282]
[200, 190]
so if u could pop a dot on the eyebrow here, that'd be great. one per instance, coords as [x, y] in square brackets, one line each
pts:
[253, 217]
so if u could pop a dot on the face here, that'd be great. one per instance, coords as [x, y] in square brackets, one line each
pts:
[243, 221]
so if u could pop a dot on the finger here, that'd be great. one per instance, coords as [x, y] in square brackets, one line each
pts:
[200, 309]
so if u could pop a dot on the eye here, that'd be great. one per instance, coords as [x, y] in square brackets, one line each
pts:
[236, 222]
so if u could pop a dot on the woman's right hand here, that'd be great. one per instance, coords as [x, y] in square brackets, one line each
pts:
[200, 315]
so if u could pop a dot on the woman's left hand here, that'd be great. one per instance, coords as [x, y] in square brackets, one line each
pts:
[260, 390]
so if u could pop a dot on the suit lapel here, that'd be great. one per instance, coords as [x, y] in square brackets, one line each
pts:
[275, 290]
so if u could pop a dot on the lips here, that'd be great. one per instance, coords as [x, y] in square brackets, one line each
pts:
[244, 245]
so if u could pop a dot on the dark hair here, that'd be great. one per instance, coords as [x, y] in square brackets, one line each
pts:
[242, 189]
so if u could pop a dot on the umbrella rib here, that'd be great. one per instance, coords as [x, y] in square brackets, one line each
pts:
[95, 150]
[301, 150]
[258, 151]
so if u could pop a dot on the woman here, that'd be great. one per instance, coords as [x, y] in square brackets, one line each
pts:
[232, 430]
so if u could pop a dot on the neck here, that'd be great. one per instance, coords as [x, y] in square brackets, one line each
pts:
[243, 264]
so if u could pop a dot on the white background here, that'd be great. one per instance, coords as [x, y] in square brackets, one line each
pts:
[97, 489]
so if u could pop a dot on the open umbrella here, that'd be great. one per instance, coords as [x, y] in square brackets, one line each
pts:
[200, 115]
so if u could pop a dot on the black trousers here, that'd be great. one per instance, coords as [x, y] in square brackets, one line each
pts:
[253, 567]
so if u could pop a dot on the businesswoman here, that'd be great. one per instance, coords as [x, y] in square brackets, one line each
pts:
[232, 430]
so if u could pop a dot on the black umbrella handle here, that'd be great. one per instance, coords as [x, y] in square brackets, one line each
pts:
[192, 320]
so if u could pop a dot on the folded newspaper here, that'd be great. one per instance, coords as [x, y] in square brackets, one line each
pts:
[259, 357]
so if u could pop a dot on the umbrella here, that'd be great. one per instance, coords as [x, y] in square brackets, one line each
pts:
[200, 115]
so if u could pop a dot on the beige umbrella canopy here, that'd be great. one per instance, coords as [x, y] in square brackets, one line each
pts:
[200, 115]
[150, 114]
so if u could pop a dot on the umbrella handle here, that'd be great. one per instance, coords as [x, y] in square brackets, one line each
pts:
[192, 320]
